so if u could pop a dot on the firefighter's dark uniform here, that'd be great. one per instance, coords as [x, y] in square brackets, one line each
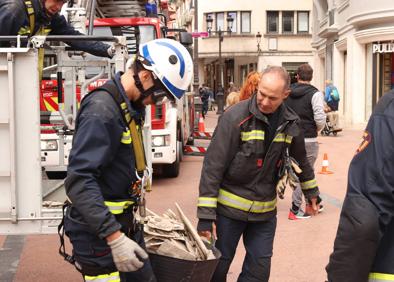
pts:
[364, 245]
[100, 175]
[15, 17]
[239, 176]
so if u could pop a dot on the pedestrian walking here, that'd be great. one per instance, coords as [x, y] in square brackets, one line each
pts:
[364, 244]
[204, 95]
[250, 85]
[308, 102]
[241, 174]
[107, 158]
[231, 88]
[41, 17]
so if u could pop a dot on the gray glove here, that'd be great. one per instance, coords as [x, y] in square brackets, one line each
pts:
[111, 51]
[124, 252]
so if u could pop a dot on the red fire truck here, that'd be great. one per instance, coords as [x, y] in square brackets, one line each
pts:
[172, 124]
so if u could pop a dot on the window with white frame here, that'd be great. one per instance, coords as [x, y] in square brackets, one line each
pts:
[303, 22]
[272, 21]
[245, 22]
[234, 16]
[288, 21]
[220, 21]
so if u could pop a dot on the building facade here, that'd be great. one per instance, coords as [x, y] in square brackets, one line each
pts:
[355, 49]
[285, 38]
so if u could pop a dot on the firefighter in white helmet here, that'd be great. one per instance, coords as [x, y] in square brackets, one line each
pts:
[102, 181]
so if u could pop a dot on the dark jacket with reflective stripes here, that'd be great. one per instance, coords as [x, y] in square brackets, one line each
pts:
[101, 164]
[364, 244]
[14, 17]
[238, 162]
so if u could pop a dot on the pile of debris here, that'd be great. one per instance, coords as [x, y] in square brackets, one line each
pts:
[173, 236]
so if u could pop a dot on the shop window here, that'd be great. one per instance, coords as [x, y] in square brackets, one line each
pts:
[243, 73]
[245, 22]
[303, 22]
[287, 21]
[291, 68]
[272, 21]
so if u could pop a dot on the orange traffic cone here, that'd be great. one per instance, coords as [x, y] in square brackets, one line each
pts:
[201, 126]
[325, 164]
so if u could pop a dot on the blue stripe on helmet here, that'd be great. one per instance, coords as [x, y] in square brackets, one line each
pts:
[179, 54]
[174, 90]
[146, 54]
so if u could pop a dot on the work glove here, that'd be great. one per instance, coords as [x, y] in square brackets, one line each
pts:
[111, 51]
[126, 254]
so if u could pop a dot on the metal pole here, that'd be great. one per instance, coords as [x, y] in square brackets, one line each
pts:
[220, 90]
[196, 81]
[91, 16]
[220, 57]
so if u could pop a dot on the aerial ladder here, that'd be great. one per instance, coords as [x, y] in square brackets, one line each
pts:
[21, 203]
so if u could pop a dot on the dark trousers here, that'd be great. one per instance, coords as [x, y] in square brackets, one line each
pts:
[258, 238]
[94, 254]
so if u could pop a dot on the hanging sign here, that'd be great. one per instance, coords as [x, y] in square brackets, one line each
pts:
[383, 48]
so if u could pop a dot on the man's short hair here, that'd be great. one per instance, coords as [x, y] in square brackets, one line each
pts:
[282, 72]
[305, 72]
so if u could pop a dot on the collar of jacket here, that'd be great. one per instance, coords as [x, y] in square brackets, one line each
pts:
[286, 113]
[134, 113]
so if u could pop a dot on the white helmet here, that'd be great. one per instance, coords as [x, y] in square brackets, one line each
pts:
[170, 62]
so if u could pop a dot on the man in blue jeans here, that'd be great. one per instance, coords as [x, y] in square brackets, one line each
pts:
[241, 171]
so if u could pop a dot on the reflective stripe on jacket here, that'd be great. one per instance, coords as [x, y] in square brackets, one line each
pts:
[112, 277]
[380, 277]
[118, 207]
[240, 169]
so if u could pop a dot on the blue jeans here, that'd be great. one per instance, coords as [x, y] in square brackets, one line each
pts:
[258, 238]
[312, 151]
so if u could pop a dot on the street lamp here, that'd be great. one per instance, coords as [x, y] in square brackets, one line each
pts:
[220, 32]
[258, 38]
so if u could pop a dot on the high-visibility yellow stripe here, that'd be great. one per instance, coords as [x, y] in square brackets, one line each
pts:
[231, 200]
[309, 184]
[118, 207]
[123, 106]
[207, 202]
[25, 30]
[126, 137]
[252, 135]
[288, 139]
[113, 277]
[128, 117]
[281, 137]
[380, 277]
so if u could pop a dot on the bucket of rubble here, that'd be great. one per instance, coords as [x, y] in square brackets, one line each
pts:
[176, 251]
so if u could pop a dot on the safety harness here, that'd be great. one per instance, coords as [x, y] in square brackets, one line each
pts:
[29, 30]
[132, 136]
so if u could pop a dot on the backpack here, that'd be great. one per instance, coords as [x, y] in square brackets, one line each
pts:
[334, 94]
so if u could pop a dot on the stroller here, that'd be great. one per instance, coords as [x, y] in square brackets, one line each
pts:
[329, 128]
